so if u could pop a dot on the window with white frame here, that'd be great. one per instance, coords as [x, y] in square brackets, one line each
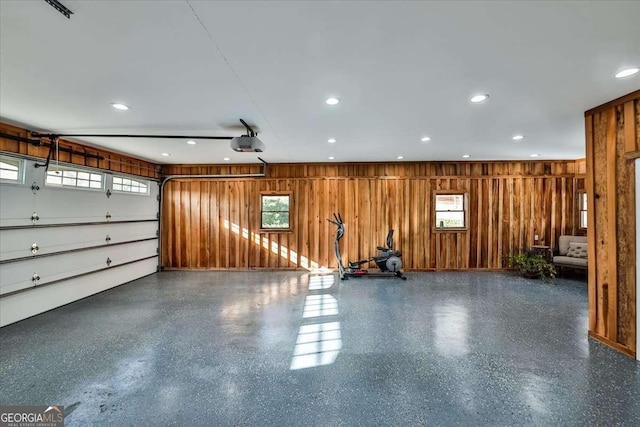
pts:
[11, 169]
[275, 211]
[450, 211]
[62, 176]
[130, 185]
[582, 209]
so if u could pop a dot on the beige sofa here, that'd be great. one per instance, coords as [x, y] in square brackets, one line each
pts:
[572, 252]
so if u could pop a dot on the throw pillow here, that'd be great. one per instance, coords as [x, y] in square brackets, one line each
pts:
[577, 250]
[571, 252]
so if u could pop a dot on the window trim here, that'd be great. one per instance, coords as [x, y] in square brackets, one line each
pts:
[21, 170]
[136, 179]
[465, 211]
[62, 168]
[579, 209]
[291, 207]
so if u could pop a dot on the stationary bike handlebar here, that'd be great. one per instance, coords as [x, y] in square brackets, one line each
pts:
[338, 220]
[339, 224]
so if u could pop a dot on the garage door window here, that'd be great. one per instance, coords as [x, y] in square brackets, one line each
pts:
[130, 185]
[11, 170]
[68, 177]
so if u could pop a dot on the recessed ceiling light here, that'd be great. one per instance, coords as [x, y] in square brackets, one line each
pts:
[479, 98]
[331, 158]
[465, 156]
[425, 139]
[165, 154]
[119, 106]
[332, 101]
[627, 72]
[226, 159]
[331, 140]
[535, 155]
[400, 157]
[518, 137]
[191, 142]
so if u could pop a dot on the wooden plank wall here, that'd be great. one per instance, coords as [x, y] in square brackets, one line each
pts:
[214, 223]
[613, 143]
[112, 161]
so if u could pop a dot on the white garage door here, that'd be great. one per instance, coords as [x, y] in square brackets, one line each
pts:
[70, 233]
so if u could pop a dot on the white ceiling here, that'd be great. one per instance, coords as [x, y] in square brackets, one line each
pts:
[403, 70]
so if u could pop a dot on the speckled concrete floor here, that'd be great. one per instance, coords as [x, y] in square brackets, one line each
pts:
[289, 348]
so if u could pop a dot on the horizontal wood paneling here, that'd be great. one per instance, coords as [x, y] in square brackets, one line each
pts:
[214, 223]
[612, 132]
[399, 169]
[112, 161]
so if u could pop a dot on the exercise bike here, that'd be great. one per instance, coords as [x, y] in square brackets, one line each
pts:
[388, 260]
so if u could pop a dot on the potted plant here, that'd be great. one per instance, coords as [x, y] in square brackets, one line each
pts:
[532, 266]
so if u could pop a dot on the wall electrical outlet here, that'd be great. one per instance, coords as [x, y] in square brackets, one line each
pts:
[535, 237]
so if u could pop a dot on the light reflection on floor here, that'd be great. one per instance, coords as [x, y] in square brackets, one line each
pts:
[535, 391]
[318, 344]
[321, 282]
[451, 333]
[319, 305]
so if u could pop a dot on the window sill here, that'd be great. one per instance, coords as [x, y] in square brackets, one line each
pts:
[450, 230]
[275, 230]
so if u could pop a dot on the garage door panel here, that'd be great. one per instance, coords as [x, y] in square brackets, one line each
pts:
[133, 231]
[18, 275]
[63, 205]
[52, 206]
[17, 203]
[124, 207]
[16, 243]
[38, 300]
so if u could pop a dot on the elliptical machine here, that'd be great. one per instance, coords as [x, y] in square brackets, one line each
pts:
[388, 260]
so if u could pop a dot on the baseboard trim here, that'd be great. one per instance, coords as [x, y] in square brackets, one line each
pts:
[622, 349]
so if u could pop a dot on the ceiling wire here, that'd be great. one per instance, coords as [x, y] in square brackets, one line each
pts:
[226, 60]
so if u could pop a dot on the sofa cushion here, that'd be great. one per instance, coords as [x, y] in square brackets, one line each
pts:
[570, 261]
[564, 241]
[577, 250]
